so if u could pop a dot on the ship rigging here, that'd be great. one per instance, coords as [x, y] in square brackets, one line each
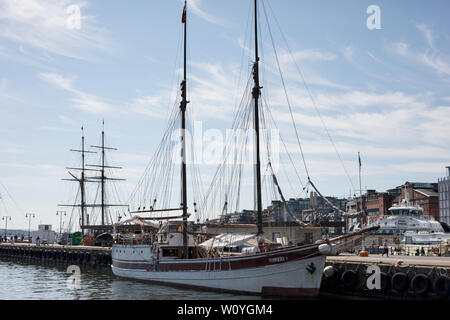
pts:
[221, 262]
[87, 223]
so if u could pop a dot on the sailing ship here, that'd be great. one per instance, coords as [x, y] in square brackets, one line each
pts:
[85, 217]
[237, 263]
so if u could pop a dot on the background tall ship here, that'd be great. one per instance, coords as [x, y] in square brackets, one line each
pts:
[190, 254]
[94, 219]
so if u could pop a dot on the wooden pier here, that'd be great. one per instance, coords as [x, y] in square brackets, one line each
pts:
[88, 256]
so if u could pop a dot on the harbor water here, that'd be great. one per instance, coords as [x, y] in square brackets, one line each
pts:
[24, 281]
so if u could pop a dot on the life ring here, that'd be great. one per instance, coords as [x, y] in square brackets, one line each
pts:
[349, 279]
[420, 283]
[441, 286]
[400, 282]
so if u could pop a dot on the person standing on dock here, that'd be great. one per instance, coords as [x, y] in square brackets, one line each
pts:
[386, 249]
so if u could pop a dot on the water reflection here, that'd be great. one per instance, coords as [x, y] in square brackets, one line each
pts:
[23, 281]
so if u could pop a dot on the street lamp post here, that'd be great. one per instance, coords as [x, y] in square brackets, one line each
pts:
[6, 223]
[29, 216]
[60, 213]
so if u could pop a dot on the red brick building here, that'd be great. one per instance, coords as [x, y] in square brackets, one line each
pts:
[423, 194]
[376, 204]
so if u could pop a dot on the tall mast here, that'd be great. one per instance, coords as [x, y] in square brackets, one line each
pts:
[256, 92]
[82, 180]
[83, 202]
[103, 174]
[103, 178]
[362, 209]
[183, 106]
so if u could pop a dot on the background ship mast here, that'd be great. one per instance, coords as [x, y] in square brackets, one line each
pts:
[103, 177]
[80, 180]
[85, 223]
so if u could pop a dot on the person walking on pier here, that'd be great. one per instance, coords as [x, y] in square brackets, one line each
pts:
[386, 249]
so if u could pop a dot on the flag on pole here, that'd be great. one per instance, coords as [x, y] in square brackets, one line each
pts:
[359, 159]
[183, 17]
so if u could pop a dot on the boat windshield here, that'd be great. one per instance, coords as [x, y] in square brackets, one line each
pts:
[404, 212]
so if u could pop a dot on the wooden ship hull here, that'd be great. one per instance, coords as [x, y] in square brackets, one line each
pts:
[294, 271]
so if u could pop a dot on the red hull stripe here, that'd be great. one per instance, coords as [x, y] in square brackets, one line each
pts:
[253, 261]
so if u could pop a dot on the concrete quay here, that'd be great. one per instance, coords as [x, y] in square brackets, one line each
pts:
[58, 254]
[401, 277]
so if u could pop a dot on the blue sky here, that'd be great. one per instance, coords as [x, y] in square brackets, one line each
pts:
[382, 92]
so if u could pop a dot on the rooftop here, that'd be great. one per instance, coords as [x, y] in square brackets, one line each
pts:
[427, 192]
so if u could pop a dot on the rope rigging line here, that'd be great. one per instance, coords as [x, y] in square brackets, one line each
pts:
[9, 195]
[285, 92]
[275, 181]
[310, 96]
[140, 193]
[218, 184]
[325, 199]
[284, 144]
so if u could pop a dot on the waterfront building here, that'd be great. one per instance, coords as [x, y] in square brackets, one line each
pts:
[377, 204]
[444, 198]
[423, 194]
[45, 234]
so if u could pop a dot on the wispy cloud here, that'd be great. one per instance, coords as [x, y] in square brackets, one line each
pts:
[81, 100]
[43, 25]
[427, 32]
[209, 90]
[308, 54]
[6, 93]
[152, 106]
[351, 100]
[431, 57]
[194, 7]
[406, 126]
